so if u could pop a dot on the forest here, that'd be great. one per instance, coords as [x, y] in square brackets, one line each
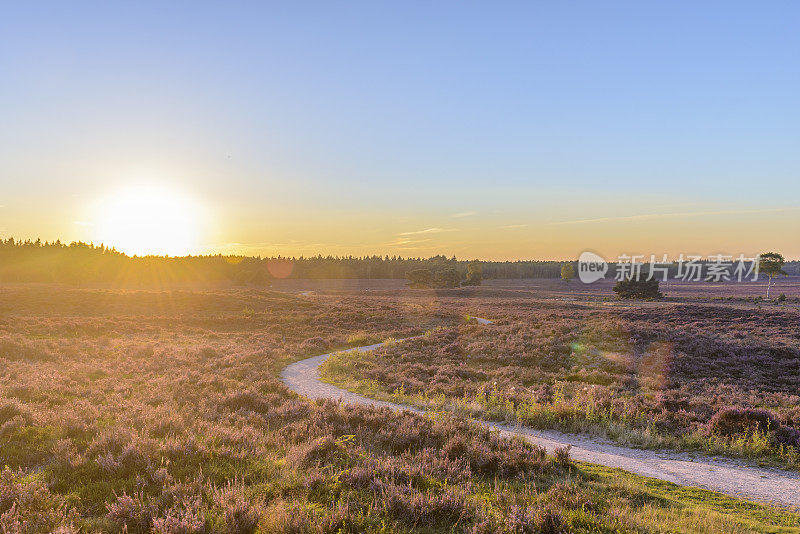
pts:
[38, 261]
[77, 262]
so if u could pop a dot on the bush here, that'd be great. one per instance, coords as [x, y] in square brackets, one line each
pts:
[733, 421]
[131, 513]
[27, 506]
[447, 278]
[324, 451]
[638, 289]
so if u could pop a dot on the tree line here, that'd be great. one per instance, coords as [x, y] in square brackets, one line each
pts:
[77, 262]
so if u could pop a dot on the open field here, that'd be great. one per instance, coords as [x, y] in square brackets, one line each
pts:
[544, 288]
[161, 411]
[721, 379]
[549, 288]
[672, 289]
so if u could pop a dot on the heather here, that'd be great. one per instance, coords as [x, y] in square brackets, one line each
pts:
[716, 378]
[161, 411]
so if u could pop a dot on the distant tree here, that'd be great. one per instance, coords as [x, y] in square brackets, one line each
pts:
[771, 264]
[567, 272]
[420, 278]
[447, 278]
[474, 274]
[638, 289]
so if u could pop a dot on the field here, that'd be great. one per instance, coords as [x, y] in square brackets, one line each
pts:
[160, 410]
[699, 376]
[554, 288]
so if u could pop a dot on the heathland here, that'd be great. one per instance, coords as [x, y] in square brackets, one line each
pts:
[702, 376]
[161, 410]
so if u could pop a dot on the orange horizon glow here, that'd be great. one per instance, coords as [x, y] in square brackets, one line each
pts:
[177, 219]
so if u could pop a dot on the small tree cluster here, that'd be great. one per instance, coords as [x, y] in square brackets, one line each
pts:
[638, 289]
[445, 278]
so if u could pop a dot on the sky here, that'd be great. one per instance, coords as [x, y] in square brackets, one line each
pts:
[492, 130]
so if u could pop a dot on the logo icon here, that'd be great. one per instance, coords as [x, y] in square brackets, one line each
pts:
[591, 267]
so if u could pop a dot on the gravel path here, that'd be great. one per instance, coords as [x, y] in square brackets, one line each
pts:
[722, 475]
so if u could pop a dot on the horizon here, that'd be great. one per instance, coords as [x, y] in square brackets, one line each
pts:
[645, 259]
[523, 133]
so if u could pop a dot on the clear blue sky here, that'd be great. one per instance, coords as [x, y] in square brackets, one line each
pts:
[501, 127]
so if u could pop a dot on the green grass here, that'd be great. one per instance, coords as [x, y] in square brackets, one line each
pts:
[694, 503]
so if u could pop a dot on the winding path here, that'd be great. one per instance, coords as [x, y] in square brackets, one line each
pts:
[725, 476]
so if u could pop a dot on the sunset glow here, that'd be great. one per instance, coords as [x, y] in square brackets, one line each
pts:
[148, 219]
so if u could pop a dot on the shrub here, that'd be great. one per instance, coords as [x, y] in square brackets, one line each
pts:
[131, 513]
[733, 421]
[27, 506]
[11, 409]
[637, 289]
[323, 451]
[447, 278]
[534, 520]
[736, 421]
[184, 519]
[561, 455]
[241, 515]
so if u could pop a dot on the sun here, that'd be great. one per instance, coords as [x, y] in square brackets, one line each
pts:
[149, 220]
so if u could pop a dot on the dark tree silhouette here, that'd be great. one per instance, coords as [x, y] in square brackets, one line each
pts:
[420, 278]
[638, 289]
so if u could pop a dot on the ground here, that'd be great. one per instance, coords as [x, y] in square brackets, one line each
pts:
[154, 409]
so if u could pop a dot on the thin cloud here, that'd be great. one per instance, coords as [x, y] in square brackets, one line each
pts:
[464, 214]
[404, 241]
[512, 226]
[653, 216]
[428, 231]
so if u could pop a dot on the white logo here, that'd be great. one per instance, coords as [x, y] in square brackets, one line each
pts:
[591, 267]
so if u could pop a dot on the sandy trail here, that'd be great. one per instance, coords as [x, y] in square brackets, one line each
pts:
[723, 475]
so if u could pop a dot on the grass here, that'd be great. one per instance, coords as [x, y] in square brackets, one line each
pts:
[159, 411]
[700, 510]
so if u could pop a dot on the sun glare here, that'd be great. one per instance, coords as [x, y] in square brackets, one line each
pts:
[146, 220]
